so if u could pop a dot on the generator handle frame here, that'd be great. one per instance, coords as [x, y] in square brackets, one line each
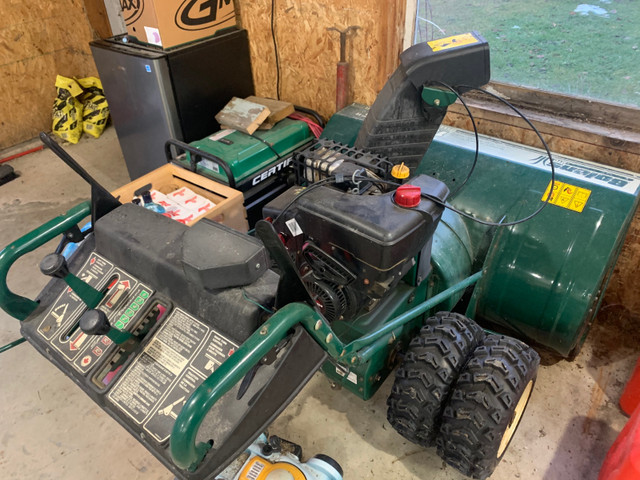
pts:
[17, 306]
[197, 156]
[188, 454]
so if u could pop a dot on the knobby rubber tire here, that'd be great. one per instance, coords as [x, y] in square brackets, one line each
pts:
[496, 382]
[430, 367]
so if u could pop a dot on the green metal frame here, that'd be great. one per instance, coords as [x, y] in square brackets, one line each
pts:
[15, 343]
[188, 454]
[15, 305]
[185, 451]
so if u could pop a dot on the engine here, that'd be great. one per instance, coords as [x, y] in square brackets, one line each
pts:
[351, 241]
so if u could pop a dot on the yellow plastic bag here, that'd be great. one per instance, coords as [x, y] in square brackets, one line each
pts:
[95, 111]
[67, 110]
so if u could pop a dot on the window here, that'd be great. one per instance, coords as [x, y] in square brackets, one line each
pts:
[589, 50]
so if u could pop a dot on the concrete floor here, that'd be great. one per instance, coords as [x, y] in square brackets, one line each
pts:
[50, 430]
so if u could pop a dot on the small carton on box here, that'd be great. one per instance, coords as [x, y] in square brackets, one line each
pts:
[169, 23]
[175, 210]
[191, 200]
[161, 199]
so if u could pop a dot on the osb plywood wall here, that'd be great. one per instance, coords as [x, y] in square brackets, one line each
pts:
[309, 53]
[38, 39]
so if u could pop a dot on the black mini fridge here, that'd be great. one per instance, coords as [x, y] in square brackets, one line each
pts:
[156, 94]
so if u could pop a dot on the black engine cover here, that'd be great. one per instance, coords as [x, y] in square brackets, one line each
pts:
[370, 234]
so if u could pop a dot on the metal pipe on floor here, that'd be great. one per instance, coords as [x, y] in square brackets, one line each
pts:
[15, 343]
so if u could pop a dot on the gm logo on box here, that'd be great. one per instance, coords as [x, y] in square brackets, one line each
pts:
[202, 14]
[131, 9]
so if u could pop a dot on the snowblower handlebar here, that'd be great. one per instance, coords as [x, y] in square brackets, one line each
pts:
[18, 306]
[188, 454]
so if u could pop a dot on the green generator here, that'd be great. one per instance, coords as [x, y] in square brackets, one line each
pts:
[259, 165]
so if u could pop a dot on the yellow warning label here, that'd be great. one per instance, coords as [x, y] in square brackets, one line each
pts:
[567, 196]
[453, 42]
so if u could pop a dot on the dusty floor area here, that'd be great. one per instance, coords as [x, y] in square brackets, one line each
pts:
[49, 429]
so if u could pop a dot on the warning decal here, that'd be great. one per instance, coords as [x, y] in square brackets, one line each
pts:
[182, 353]
[453, 42]
[147, 380]
[567, 196]
[159, 425]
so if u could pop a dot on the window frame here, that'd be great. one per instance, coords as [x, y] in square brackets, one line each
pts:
[579, 120]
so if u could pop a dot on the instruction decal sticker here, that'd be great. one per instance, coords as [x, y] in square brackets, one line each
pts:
[567, 196]
[453, 42]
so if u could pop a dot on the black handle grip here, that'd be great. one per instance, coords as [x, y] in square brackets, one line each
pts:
[196, 157]
[54, 265]
[95, 322]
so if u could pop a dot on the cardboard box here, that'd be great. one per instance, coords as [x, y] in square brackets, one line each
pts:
[168, 23]
[228, 210]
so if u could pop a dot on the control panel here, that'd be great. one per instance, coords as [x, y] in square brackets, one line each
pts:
[138, 320]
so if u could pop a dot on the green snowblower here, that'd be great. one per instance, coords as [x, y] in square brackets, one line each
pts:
[385, 250]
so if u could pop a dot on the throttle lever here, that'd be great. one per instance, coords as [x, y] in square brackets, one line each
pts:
[55, 265]
[95, 322]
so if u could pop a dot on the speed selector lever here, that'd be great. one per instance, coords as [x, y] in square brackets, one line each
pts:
[55, 265]
[95, 322]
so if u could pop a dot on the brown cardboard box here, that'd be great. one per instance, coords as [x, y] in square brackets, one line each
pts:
[229, 208]
[168, 23]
